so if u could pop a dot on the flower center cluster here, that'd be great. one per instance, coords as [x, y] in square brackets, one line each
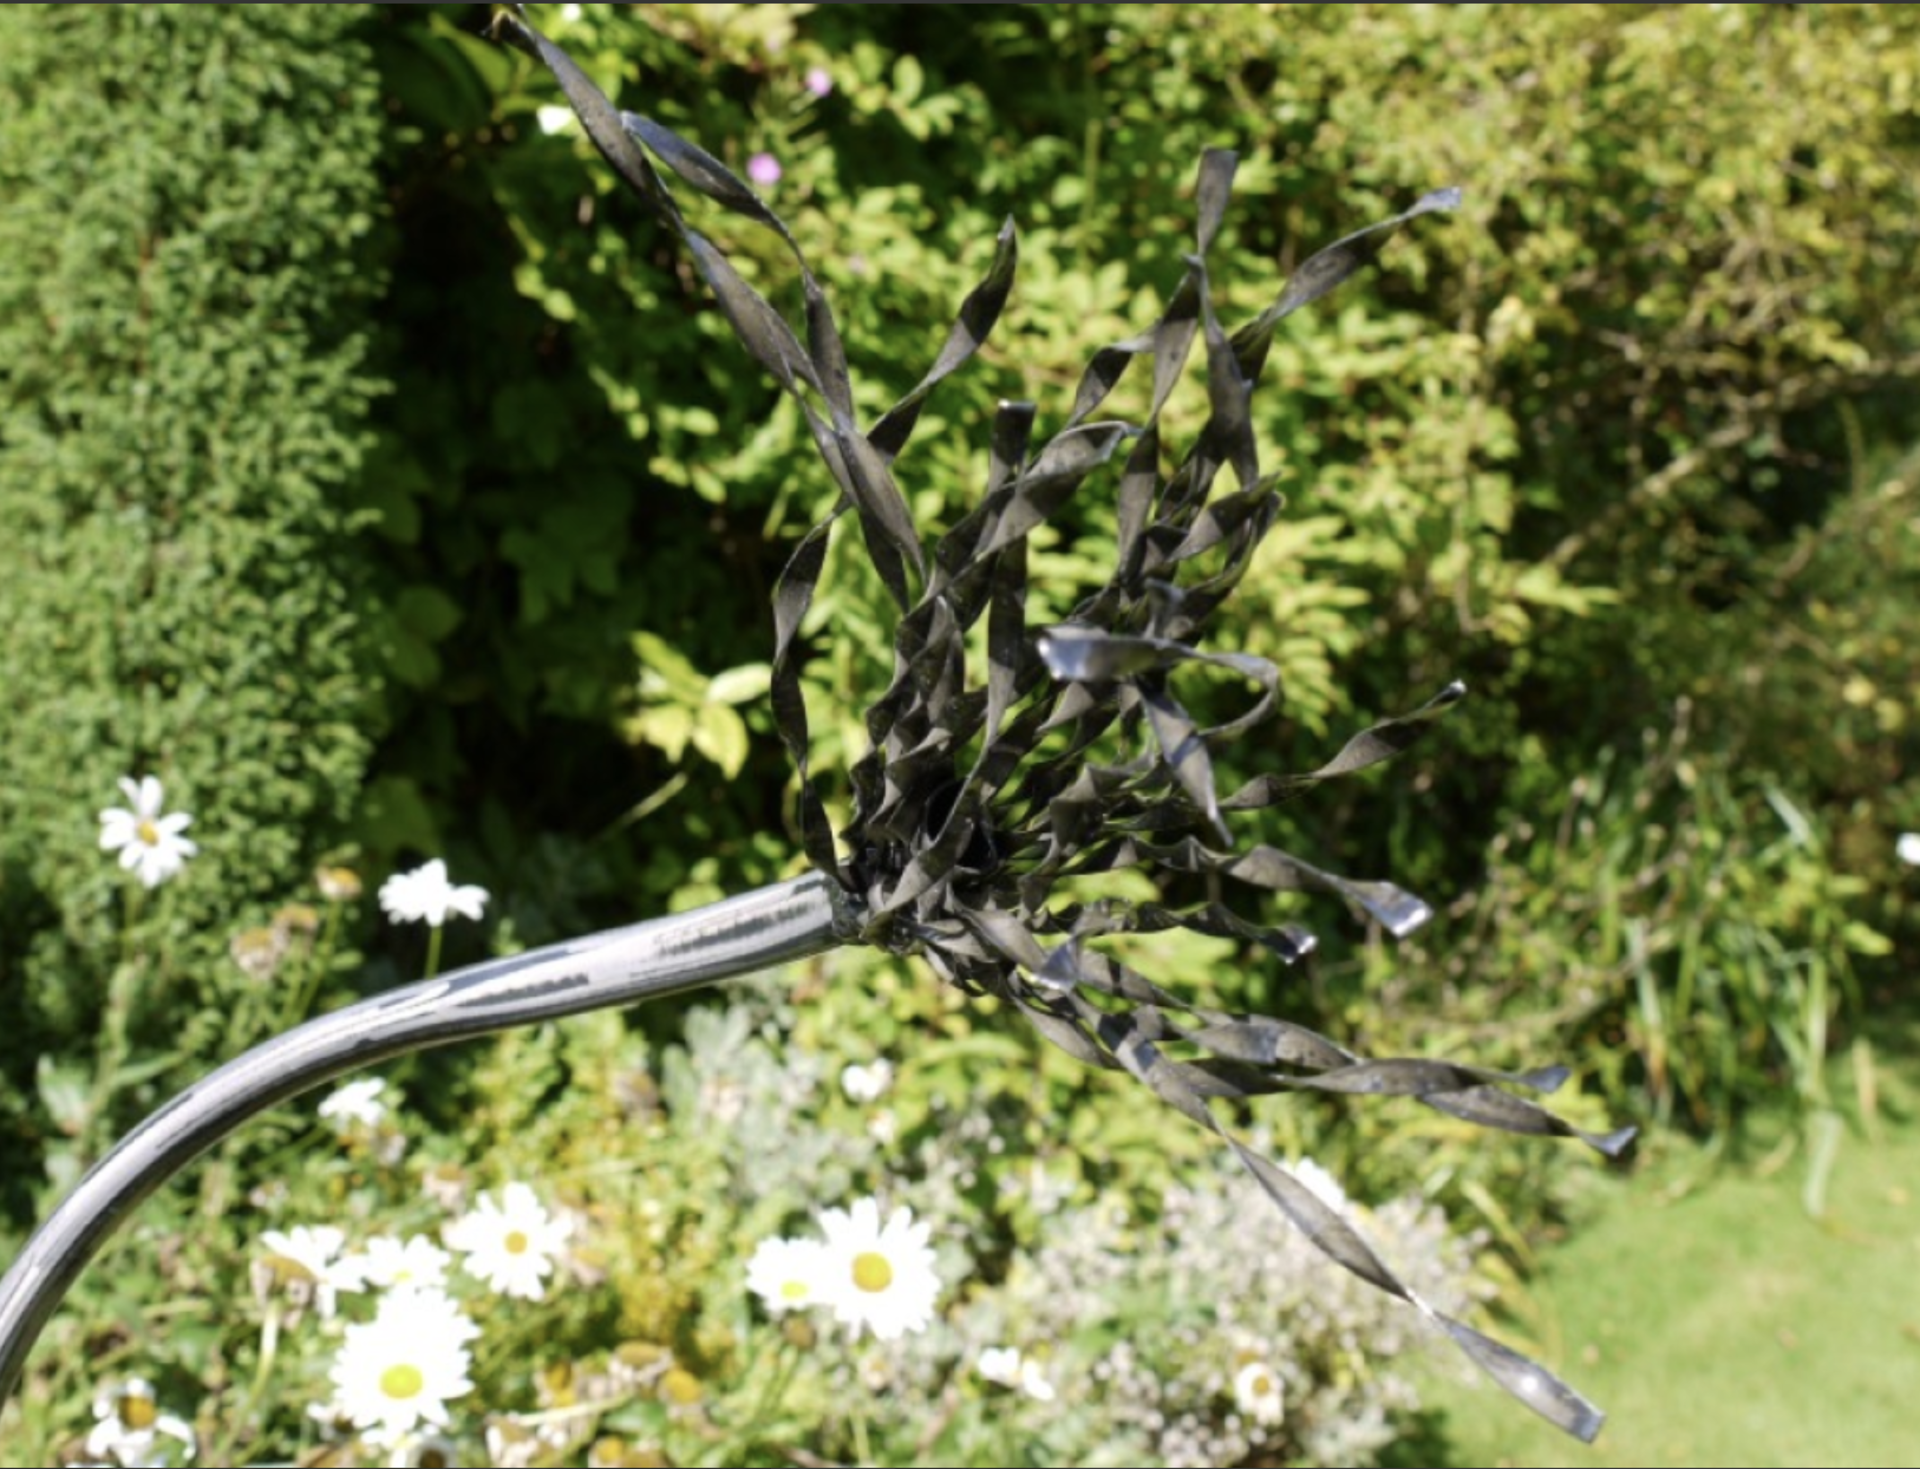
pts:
[871, 1272]
[402, 1381]
[137, 1412]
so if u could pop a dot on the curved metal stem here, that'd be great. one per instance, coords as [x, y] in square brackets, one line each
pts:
[757, 930]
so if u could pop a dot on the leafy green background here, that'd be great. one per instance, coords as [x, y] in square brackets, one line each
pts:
[373, 471]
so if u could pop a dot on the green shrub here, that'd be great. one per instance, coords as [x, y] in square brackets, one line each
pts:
[1585, 405]
[187, 280]
[1688, 935]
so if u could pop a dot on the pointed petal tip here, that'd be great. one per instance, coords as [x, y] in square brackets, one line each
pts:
[1615, 1143]
[1408, 917]
[1546, 1079]
[1586, 1426]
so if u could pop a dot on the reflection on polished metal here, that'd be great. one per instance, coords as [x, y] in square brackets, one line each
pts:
[623, 966]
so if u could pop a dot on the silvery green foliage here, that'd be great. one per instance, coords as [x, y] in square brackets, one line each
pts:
[752, 1102]
[1139, 1318]
[1141, 1326]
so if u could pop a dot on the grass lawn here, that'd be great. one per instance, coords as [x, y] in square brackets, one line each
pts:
[1718, 1323]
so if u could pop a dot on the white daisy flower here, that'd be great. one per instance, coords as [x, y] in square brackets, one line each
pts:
[1000, 1364]
[416, 1264]
[1907, 849]
[788, 1273]
[311, 1252]
[313, 1247]
[1034, 1383]
[1322, 1183]
[337, 884]
[878, 1277]
[1010, 1368]
[1256, 1392]
[397, 1371]
[413, 1449]
[424, 895]
[510, 1245]
[132, 1430]
[867, 1083]
[149, 844]
[357, 1101]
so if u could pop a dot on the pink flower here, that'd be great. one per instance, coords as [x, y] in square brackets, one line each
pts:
[818, 82]
[764, 169]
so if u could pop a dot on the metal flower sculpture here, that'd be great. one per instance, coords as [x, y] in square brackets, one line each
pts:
[973, 804]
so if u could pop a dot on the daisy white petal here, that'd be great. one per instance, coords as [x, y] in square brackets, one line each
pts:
[1257, 1393]
[511, 1244]
[425, 895]
[1000, 1364]
[1008, 1367]
[147, 843]
[1034, 1381]
[313, 1246]
[1320, 1182]
[398, 1371]
[310, 1254]
[788, 1273]
[131, 1430]
[879, 1277]
[867, 1083]
[357, 1101]
[416, 1264]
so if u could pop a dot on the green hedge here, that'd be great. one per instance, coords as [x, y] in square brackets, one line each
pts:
[188, 272]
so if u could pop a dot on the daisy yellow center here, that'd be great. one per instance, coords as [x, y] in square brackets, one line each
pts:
[793, 1290]
[148, 833]
[516, 1242]
[401, 1381]
[1259, 1385]
[138, 1412]
[871, 1272]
